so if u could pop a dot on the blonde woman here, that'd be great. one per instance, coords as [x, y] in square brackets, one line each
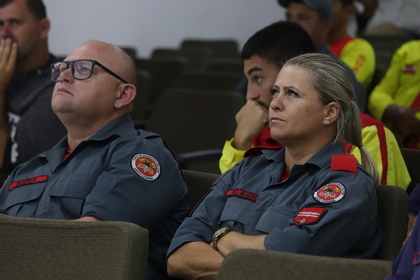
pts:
[310, 197]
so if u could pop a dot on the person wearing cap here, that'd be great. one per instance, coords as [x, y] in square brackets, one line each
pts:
[357, 53]
[315, 16]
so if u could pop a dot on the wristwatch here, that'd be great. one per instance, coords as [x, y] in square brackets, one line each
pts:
[219, 234]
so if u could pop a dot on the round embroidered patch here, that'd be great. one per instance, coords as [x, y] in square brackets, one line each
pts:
[330, 193]
[146, 166]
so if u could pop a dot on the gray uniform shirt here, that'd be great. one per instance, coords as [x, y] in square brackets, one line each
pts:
[119, 174]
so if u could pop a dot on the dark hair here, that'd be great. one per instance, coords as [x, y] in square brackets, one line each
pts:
[278, 43]
[35, 7]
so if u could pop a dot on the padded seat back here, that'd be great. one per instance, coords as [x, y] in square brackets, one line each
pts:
[251, 264]
[393, 211]
[199, 184]
[40, 249]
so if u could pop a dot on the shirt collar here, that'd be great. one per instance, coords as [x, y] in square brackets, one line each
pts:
[320, 159]
[118, 127]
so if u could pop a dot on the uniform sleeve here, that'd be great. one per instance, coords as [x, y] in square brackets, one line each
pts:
[383, 95]
[398, 174]
[359, 55]
[230, 156]
[405, 265]
[414, 200]
[205, 220]
[348, 223]
[142, 194]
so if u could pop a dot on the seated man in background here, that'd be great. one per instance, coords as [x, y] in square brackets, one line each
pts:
[104, 170]
[357, 53]
[263, 55]
[396, 99]
[28, 126]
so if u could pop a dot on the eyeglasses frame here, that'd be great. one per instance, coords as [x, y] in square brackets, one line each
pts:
[94, 62]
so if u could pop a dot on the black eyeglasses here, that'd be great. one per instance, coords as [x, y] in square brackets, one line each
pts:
[81, 69]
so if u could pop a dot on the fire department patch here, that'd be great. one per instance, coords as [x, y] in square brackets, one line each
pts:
[309, 215]
[330, 193]
[146, 166]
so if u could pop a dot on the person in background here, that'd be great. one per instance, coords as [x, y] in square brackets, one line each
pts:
[104, 169]
[357, 53]
[316, 18]
[391, 17]
[365, 11]
[263, 55]
[396, 99]
[405, 265]
[28, 126]
[296, 198]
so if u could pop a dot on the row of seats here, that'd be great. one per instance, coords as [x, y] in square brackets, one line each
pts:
[159, 74]
[186, 95]
[215, 64]
[195, 63]
[182, 130]
[59, 249]
[195, 124]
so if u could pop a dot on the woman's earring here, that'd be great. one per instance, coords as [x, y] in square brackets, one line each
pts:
[326, 122]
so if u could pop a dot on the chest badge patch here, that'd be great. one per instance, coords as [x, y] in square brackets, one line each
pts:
[410, 69]
[146, 166]
[330, 193]
[309, 215]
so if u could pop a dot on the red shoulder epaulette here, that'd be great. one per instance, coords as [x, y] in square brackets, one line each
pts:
[344, 162]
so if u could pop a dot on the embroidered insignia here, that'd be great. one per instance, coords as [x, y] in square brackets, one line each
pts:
[330, 193]
[28, 181]
[309, 215]
[242, 193]
[410, 69]
[146, 166]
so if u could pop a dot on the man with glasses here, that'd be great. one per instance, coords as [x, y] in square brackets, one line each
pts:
[28, 126]
[104, 170]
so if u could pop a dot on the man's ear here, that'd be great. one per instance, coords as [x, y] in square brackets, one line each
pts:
[44, 26]
[126, 94]
[332, 110]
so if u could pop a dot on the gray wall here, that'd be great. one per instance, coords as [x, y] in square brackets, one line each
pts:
[146, 24]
